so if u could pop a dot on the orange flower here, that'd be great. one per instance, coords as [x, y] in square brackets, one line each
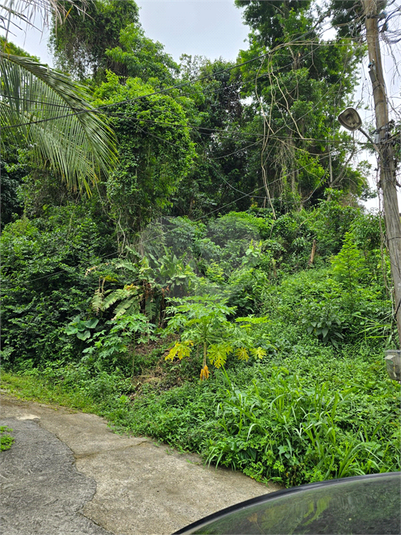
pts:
[204, 374]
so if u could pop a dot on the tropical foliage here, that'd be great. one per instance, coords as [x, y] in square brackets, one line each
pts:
[222, 288]
[47, 111]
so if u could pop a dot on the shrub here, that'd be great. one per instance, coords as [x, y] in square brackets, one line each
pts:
[44, 284]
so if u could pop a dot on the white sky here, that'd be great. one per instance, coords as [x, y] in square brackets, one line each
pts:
[214, 28]
[211, 28]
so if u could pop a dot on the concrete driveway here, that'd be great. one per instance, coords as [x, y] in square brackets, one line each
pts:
[69, 474]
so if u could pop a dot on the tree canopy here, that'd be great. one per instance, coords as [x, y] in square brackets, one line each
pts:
[90, 28]
[155, 149]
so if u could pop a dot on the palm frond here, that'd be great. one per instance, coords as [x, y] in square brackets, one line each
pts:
[53, 115]
[28, 10]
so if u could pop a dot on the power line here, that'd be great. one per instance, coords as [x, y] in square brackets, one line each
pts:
[171, 88]
[193, 126]
[49, 276]
[243, 196]
[228, 133]
[128, 101]
[203, 76]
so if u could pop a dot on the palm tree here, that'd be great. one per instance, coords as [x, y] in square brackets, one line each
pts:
[49, 112]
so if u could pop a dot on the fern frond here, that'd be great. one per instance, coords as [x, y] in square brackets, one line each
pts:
[97, 301]
[150, 308]
[129, 266]
[122, 307]
[115, 296]
[134, 308]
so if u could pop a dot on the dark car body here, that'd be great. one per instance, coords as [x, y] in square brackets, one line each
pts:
[362, 505]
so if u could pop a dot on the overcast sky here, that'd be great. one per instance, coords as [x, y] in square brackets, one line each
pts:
[210, 28]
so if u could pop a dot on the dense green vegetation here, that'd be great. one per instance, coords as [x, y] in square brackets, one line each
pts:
[221, 288]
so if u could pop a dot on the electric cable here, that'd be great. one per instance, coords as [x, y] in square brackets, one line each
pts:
[162, 90]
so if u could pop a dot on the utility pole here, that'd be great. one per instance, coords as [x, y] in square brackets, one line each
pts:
[386, 154]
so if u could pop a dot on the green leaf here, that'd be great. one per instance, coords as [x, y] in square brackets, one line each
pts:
[242, 353]
[91, 324]
[84, 335]
[258, 352]
[71, 329]
[218, 353]
[180, 350]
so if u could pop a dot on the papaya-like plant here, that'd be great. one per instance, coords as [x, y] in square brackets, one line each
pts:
[202, 324]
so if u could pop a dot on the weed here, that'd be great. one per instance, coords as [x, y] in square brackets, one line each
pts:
[6, 440]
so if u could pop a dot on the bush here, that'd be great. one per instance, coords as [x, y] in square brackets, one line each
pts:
[44, 286]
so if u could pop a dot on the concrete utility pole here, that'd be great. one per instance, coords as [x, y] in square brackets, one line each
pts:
[386, 154]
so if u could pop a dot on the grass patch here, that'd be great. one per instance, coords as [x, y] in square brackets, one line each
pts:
[294, 420]
[36, 387]
[6, 440]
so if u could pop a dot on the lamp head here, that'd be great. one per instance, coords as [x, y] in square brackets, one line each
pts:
[349, 119]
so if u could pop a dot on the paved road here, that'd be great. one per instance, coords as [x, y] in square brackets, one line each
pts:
[69, 474]
[42, 491]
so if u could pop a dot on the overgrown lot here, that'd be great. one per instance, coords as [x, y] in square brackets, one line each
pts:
[289, 349]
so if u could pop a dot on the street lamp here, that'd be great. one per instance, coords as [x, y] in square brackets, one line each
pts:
[350, 119]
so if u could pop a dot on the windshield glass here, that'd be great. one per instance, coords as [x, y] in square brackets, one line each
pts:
[362, 506]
